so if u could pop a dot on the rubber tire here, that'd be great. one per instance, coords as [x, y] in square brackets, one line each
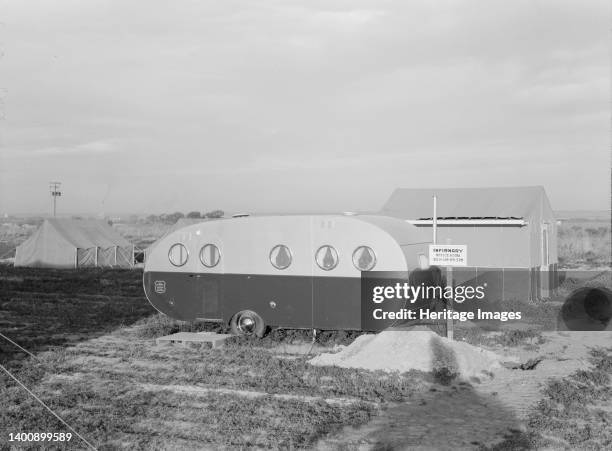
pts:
[260, 326]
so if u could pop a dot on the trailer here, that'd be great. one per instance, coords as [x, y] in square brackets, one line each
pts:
[294, 271]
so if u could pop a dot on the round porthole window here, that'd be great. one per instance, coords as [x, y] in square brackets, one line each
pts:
[364, 258]
[327, 257]
[280, 256]
[178, 254]
[210, 255]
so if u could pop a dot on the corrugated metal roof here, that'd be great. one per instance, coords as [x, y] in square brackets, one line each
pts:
[467, 203]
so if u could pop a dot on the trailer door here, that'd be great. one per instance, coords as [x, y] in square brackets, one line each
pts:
[207, 294]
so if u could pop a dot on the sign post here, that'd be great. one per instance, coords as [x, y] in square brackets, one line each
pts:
[448, 255]
[449, 283]
[435, 220]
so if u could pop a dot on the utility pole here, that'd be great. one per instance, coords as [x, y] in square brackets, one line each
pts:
[55, 193]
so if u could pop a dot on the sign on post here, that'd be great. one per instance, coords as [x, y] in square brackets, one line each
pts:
[448, 255]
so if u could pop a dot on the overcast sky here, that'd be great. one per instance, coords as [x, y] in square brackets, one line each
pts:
[150, 106]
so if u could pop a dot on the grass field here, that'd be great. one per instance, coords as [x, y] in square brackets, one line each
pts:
[122, 391]
[584, 244]
[46, 308]
[97, 366]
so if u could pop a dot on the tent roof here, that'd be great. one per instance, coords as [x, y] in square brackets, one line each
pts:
[86, 233]
[467, 203]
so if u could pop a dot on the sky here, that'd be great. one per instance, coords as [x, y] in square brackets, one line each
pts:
[288, 106]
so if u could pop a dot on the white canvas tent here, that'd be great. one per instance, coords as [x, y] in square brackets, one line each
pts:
[75, 243]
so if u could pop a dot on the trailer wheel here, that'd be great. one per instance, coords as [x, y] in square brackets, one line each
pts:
[247, 322]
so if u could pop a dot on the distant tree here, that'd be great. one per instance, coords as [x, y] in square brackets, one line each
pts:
[172, 218]
[152, 219]
[214, 214]
[194, 214]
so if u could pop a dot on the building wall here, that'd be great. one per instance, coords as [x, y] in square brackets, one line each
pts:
[499, 284]
[491, 246]
[508, 258]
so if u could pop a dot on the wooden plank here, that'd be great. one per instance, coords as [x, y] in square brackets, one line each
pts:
[215, 340]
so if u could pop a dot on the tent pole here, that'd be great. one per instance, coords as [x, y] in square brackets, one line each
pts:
[115, 255]
[76, 257]
[96, 256]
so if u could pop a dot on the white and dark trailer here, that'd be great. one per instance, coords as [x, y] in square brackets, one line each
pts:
[300, 271]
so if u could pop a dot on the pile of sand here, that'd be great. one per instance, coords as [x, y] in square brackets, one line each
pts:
[403, 351]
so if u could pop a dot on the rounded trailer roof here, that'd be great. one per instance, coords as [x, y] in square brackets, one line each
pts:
[401, 231]
[245, 244]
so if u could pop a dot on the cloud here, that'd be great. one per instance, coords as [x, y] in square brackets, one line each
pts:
[351, 20]
[258, 87]
[83, 149]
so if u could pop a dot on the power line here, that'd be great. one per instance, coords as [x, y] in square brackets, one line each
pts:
[48, 408]
[36, 397]
[23, 349]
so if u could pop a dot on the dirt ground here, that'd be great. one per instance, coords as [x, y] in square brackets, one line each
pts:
[122, 391]
[475, 414]
[169, 391]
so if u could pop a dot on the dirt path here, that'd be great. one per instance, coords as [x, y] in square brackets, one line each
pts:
[562, 354]
[454, 417]
[470, 415]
